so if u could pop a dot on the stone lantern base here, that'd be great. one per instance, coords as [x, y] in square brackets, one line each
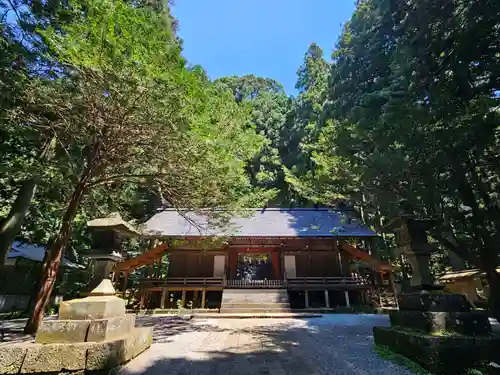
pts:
[439, 331]
[91, 334]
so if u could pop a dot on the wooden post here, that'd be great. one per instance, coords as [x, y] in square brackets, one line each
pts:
[380, 300]
[183, 299]
[306, 296]
[346, 294]
[340, 263]
[327, 299]
[160, 265]
[125, 282]
[143, 299]
[195, 298]
[164, 294]
[203, 296]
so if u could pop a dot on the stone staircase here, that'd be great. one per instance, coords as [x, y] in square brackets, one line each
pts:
[235, 301]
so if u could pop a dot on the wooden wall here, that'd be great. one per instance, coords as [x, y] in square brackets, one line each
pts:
[317, 264]
[191, 264]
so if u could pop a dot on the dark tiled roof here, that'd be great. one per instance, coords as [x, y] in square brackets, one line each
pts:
[270, 222]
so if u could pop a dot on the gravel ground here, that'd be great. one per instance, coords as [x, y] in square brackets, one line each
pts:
[333, 344]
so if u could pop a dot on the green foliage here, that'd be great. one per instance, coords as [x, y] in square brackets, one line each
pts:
[387, 354]
[407, 109]
[268, 105]
[414, 102]
[408, 113]
[135, 129]
[304, 127]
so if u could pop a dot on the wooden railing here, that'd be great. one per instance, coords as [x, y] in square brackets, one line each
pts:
[183, 281]
[254, 283]
[326, 281]
[297, 282]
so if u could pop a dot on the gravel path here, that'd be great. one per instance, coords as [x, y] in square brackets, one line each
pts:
[334, 344]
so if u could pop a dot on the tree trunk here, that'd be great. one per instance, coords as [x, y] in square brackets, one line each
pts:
[493, 279]
[11, 225]
[53, 260]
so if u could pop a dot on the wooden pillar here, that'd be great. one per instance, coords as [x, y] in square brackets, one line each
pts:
[203, 296]
[125, 282]
[159, 266]
[327, 299]
[309, 262]
[195, 298]
[164, 295]
[340, 263]
[143, 299]
[183, 299]
[275, 262]
[378, 289]
[306, 296]
[232, 260]
[346, 295]
[150, 270]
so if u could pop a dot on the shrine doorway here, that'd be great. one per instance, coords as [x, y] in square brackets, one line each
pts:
[255, 266]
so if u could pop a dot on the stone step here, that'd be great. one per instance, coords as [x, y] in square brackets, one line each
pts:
[245, 301]
[256, 291]
[254, 310]
[256, 301]
[257, 305]
[255, 297]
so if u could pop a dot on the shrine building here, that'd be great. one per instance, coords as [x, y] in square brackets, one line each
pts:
[271, 260]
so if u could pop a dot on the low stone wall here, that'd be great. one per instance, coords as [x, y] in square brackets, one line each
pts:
[446, 355]
[13, 302]
[90, 334]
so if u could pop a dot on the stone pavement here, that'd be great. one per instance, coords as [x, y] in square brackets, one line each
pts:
[332, 345]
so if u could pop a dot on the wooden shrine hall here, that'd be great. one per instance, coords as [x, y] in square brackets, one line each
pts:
[269, 260]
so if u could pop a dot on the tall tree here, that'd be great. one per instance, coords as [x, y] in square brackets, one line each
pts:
[417, 115]
[269, 106]
[127, 111]
[305, 120]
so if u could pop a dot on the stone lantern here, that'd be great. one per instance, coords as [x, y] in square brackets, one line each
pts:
[90, 335]
[436, 329]
[107, 245]
[412, 242]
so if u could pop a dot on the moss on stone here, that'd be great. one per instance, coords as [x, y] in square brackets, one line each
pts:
[386, 353]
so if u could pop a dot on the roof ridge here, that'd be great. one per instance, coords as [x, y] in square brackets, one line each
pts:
[257, 209]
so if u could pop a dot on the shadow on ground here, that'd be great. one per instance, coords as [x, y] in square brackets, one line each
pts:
[340, 345]
[166, 328]
[12, 331]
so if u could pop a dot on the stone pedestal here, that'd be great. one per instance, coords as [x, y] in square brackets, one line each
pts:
[90, 334]
[438, 330]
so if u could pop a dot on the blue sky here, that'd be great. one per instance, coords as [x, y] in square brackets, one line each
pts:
[265, 38]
